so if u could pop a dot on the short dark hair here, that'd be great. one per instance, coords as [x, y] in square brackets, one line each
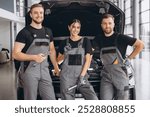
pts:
[108, 16]
[35, 5]
[74, 21]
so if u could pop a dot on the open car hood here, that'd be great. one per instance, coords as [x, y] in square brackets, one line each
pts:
[59, 12]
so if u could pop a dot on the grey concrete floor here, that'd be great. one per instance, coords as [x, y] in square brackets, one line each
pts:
[7, 81]
[142, 77]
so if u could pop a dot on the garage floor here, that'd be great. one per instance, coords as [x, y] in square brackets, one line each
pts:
[7, 82]
[142, 72]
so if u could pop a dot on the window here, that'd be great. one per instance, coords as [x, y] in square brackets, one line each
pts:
[20, 8]
[145, 5]
[145, 17]
[145, 26]
[127, 10]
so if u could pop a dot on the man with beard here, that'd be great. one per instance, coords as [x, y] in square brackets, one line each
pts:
[112, 46]
[32, 46]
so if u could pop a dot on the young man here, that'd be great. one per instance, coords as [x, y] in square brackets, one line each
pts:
[32, 46]
[114, 83]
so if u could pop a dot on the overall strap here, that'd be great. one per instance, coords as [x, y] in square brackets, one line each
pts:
[116, 39]
[81, 42]
[35, 36]
[67, 43]
[46, 33]
[17, 62]
[25, 64]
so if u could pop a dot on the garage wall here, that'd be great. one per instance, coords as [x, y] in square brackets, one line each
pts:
[7, 5]
[5, 34]
[17, 27]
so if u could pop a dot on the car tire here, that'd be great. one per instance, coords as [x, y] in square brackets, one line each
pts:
[132, 93]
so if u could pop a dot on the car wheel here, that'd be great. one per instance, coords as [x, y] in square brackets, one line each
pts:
[132, 93]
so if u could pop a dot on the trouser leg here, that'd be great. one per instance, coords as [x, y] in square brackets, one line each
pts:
[30, 86]
[88, 92]
[65, 83]
[122, 95]
[106, 90]
[46, 89]
[121, 83]
[68, 95]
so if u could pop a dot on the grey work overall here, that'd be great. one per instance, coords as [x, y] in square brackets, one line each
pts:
[71, 69]
[35, 76]
[114, 83]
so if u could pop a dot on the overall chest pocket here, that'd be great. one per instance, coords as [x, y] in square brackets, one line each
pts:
[75, 59]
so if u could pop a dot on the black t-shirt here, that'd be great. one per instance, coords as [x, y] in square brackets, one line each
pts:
[26, 35]
[74, 44]
[122, 42]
